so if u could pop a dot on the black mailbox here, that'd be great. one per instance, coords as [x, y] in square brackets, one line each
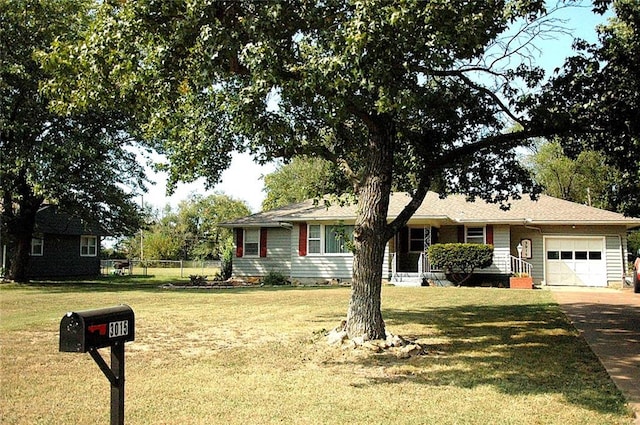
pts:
[84, 330]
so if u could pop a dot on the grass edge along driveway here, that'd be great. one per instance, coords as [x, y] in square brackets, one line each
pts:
[259, 356]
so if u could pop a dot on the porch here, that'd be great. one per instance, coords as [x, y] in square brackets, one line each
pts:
[423, 274]
[409, 265]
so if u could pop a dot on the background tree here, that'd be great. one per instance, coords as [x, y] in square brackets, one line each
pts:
[402, 95]
[586, 179]
[199, 218]
[634, 243]
[301, 179]
[597, 96]
[191, 232]
[77, 161]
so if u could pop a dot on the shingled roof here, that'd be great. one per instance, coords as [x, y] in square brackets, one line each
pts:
[453, 209]
[50, 219]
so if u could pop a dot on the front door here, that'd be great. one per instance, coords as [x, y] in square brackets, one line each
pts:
[411, 242]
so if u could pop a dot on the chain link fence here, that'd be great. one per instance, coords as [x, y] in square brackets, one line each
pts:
[177, 268]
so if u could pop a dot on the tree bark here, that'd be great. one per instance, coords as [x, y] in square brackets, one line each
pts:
[20, 260]
[364, 317]
[19, 227]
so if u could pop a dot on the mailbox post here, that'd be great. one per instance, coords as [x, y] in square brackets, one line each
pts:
[87, 331]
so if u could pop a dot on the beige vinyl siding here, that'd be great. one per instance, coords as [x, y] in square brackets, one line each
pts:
[315, 266]
[448, 234]
[625, 253]
[501, 259]
[278, 257]
[323, 267]
[614, 256]
[501, 246]
[613, 247]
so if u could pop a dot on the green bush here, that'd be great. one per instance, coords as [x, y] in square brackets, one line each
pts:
[197, 280]
[459, 260]
[226, 263]
[273, 278]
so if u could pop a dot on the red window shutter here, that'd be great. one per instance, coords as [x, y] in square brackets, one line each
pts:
[239, 243]
[263, 241]
[302, 240]
[461, 234]
[489, 232]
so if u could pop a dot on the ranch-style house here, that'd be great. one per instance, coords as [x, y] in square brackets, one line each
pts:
[554, 241]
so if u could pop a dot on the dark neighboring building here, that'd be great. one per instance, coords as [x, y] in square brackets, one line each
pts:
[62, 246]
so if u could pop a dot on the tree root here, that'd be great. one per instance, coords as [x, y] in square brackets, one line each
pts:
[394, 344]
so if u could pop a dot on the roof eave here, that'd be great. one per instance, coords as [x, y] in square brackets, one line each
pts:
[283, 224]
[626, 223]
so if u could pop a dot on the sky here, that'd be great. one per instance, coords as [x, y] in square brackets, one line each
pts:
[243, 179]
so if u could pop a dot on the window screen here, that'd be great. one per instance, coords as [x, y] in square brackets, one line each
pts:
[475, 235]
[251, 241]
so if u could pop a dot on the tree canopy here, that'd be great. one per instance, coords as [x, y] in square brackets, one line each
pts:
[78, 161]
[407, 95]
[586, 179]
[597, 95]
[191, 231]
[301, 179]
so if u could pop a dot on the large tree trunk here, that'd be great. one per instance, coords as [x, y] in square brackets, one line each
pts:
[364, 317]
[19, 229]
[20, 260]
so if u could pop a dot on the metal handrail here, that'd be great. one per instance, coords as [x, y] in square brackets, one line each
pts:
[519, 267]
[394, 266]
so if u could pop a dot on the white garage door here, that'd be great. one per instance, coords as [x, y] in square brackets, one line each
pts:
[575, 261]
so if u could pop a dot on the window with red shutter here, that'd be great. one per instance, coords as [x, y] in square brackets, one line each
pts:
[302, 240]
[263, 241]
[489, 234]
[239, 243]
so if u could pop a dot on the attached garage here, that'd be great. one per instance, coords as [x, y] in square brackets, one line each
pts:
[575, 261]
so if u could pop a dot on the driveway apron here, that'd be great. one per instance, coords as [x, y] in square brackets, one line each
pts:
[609, 321]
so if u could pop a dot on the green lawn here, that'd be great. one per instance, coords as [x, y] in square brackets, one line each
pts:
[258, 355]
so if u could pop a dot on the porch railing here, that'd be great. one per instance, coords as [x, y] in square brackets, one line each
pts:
[519, 267]
[394, 265]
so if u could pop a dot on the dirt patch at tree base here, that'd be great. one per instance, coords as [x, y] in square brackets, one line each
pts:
[396, 345]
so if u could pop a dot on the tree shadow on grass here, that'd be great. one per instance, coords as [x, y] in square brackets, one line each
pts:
[145, 283]
[517, 349]
[95, 284]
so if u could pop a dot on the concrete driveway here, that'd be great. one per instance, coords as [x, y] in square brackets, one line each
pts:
[609, 320]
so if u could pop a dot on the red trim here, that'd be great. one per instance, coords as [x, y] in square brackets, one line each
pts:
[263, 241]
[302, 240]
[489, 233]
[239, 242]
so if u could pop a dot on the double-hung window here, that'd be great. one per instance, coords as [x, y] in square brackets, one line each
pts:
[251, 242]
[37, 246]
[315, 239]
[88, 246]
[475, 235]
